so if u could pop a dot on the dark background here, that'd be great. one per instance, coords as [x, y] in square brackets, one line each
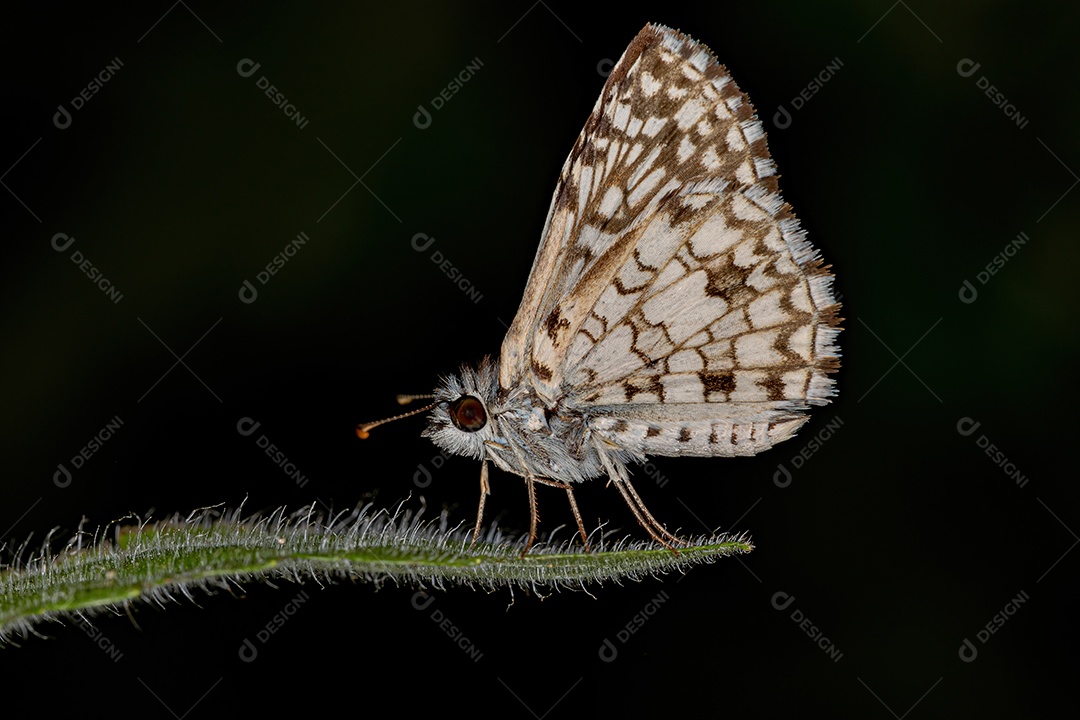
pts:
[899, 538]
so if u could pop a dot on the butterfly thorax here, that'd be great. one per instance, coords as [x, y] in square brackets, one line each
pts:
[516, 429]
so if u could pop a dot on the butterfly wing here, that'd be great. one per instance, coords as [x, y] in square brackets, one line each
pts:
[674, 298]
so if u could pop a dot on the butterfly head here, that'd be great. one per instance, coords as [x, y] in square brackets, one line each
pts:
[461, 419]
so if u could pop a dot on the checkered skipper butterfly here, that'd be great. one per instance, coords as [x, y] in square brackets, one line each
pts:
[674, 306]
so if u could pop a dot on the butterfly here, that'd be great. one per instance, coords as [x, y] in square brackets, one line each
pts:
[674, 306]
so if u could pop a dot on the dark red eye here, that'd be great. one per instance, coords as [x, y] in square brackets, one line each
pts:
[468, 414]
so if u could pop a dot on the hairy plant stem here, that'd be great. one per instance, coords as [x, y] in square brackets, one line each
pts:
[213, 549]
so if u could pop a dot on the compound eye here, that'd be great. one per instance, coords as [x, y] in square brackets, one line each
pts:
[468, 414]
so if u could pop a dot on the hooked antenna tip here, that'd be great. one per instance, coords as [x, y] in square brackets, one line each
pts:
[363, 428]
[406, 399]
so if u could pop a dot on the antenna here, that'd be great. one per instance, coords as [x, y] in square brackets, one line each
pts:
[362, 429]
[406, 399]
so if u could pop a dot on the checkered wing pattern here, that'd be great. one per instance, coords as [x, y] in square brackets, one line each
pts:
[674, 299]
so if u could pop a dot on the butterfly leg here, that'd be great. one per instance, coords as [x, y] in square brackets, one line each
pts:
[573, 506]
[650, 523]
[534, 513]
[484, 492]
[621, 479]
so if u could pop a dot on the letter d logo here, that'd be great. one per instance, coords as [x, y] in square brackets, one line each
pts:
[422, 118]
[247, 67]
[62, 118]
[248, 293]
[968, 651]
[62, 477]
[421, 242]
[966, 426]
[782, 118]
[421, 600]
[248, 651]
[968, 293]
[967, 67]
[782, 600]
[245, 426]
[61, 242]
[422, 477]
[782, 476]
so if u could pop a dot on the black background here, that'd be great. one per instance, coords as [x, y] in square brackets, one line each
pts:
[899, 538]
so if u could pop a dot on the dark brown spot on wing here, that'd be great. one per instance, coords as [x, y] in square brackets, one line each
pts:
[541, 371]
[774, 386]
[554, 323]
[717, 382]
[651, 385]
[728, 282]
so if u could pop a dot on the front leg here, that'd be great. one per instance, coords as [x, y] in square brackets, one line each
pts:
[530, 484]
[485, 490]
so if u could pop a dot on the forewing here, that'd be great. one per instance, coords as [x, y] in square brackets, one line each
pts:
[672, 277]
[626, 158]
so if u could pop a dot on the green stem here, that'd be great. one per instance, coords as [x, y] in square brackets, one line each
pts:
[169, 558]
